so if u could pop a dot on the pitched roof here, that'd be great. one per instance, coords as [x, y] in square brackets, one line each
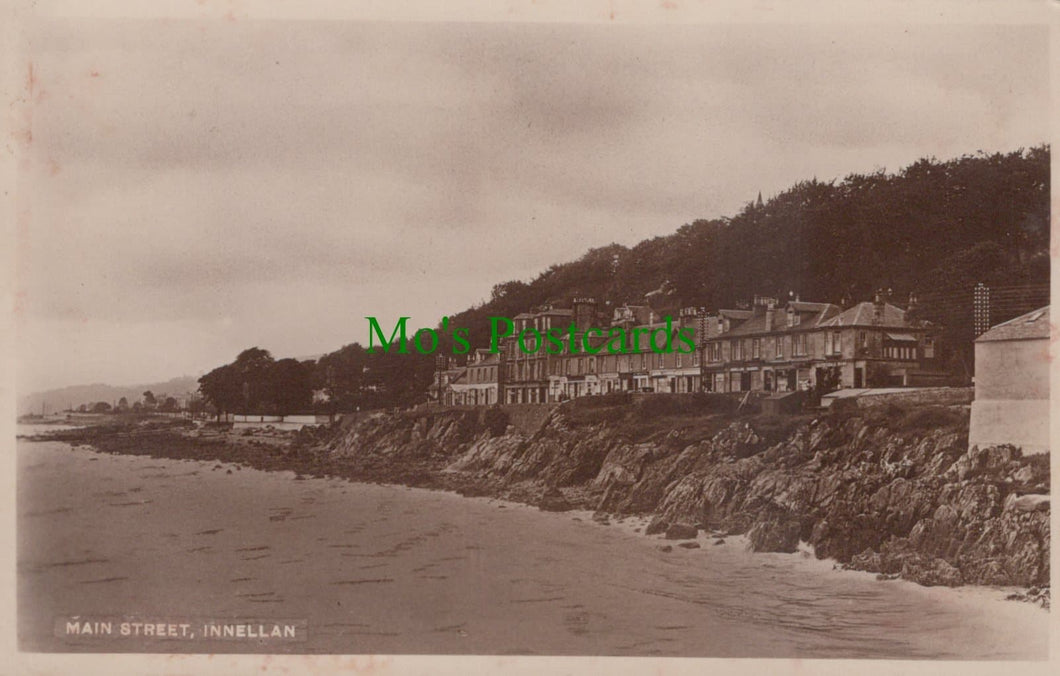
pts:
[806, 306]
[1031, 325]
[811, 315]
[483, 357]
[862, 315]
[735, 314]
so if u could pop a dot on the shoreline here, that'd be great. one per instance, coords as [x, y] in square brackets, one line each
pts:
[535, 561]
[302, 454]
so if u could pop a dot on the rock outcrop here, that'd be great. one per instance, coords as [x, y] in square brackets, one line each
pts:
[885, 491]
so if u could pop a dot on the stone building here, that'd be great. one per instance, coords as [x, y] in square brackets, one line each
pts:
[872, 344]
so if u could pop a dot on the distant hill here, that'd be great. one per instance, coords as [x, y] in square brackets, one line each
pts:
[74, 395]
[934, 228]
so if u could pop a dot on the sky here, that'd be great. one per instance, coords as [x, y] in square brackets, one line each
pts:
[197, 187]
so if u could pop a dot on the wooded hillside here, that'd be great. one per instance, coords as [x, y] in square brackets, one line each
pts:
[935, 227]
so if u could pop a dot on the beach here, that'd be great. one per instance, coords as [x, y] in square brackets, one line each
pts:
[376, 569]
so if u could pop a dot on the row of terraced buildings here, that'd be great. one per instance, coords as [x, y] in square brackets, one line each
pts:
[766, 347]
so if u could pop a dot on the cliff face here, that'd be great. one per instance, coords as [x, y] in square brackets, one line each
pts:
[892, 492]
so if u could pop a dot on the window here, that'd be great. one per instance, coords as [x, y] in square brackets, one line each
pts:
[837, 343]
[679, 355]
[658, 360]
[929, 348]
[736, 352]
[799, 345]
[756, 348]
[901, 353]
[695, 358]
[863, 339]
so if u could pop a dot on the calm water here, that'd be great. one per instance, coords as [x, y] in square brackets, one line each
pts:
[382, 569]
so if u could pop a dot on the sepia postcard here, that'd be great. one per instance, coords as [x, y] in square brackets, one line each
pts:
[608, 337]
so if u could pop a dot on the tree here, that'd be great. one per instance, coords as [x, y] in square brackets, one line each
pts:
[196, 406]
[252, 368]
[149, 399]
[223, 388]
[170, 405]
[289, 387]
[101, 407]
[341, 375]
[123, 404]
[243, 386]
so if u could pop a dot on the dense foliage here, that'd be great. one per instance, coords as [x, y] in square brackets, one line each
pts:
[934, 225]
[255, 383]
[931, 227]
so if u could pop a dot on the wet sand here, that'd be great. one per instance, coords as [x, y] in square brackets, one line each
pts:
[388, 569]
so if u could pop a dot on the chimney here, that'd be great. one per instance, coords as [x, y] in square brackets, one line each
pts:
[689, 316]
[911, 310]
[770, 311]
[878, 304]
[584, 312]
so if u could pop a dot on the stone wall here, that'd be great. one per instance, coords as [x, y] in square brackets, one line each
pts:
[929, 396]
[527, 418]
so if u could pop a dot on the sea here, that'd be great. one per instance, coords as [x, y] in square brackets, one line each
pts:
[382, 569]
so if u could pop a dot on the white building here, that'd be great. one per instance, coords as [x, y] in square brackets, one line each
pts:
[1012, 369]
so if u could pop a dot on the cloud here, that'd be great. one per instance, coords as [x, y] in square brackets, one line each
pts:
[268, 173]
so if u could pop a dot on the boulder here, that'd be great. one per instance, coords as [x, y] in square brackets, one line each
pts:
[657, 525]
[775, 536]
[931, 572]
[868, 561]
[665, 548]
[1028, 503]
[681, 531]
[689, 545]
[554, 503]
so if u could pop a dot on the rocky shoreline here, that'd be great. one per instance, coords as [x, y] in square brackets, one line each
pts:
[892, 491]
